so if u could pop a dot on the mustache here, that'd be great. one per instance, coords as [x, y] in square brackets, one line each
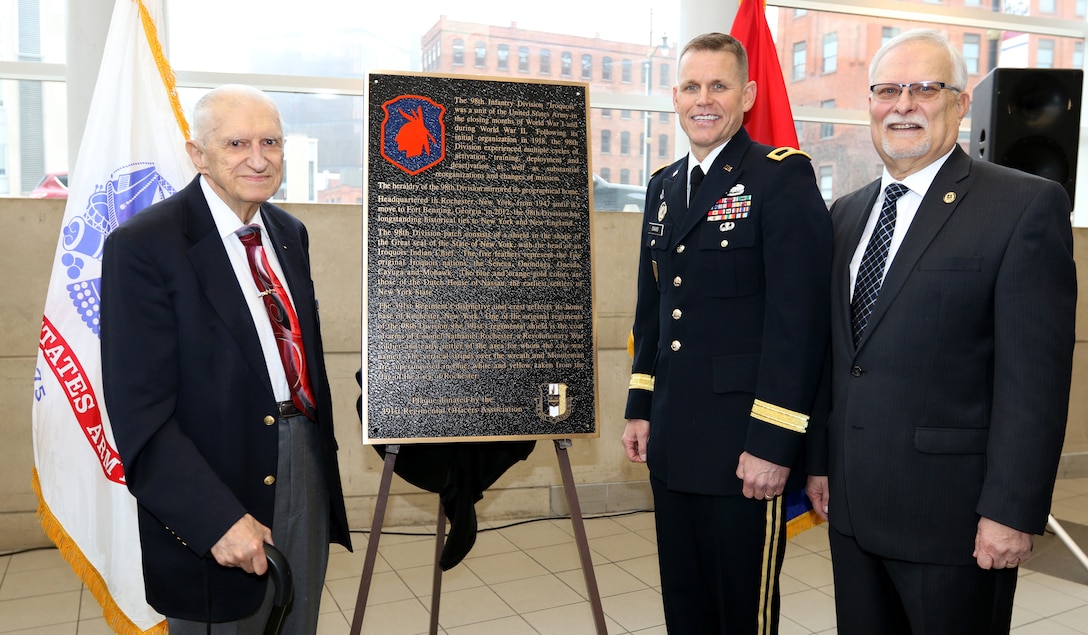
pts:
[897, 120]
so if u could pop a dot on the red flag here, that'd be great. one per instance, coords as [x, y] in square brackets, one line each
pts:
[770, 120]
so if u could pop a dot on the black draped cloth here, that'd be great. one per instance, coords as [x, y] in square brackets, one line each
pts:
[459, 473]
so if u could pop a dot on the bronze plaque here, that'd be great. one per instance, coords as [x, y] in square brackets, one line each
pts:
[478, 319]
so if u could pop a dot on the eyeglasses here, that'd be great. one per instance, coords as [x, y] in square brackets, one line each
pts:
[921, 91]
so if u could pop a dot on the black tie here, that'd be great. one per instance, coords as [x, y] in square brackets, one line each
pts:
[874, 262]
[696, 179]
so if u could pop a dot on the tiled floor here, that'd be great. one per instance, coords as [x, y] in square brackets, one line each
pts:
[526, 579]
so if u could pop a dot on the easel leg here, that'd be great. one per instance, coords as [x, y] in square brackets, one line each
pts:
[594, 594]
[436, 585]
[372, 543]
[1067, 539]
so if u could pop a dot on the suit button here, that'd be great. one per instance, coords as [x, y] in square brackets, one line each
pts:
[268, 480]
[680, 249]
[269, 420]
[675, 345]
[856, 371]
[677, 281]
[653, 242]
[725, 243]
[677, 314]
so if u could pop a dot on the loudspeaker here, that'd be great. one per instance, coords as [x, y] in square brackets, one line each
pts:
[1029, 119]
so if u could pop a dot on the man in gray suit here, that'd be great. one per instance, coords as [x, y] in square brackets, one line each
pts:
[953, 303]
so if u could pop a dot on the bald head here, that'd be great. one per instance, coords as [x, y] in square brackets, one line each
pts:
[207, 114]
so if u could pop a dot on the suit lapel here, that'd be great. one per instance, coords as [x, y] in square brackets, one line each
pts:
[846, 244]
[941, 200]
[216, 277]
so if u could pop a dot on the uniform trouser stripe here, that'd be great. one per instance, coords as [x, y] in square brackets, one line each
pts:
[772, 558]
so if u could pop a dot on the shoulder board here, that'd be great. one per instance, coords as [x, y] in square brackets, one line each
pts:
[781, 153]
[658, 170]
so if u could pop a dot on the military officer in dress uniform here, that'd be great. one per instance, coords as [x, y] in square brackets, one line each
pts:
[730, 338]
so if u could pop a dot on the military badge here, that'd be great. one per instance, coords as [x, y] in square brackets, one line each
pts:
[661, 211]
[736, 190]
[413, 133]
[730, 208]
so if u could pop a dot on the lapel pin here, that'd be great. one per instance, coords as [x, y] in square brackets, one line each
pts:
[949, 197]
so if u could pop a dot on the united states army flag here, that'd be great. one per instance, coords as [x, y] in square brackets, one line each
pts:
[132, 154]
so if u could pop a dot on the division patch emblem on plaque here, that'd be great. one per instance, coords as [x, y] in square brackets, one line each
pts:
[413, 133]
[553, 404]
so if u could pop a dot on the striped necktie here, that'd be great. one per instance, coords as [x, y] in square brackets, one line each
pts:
[873, 262]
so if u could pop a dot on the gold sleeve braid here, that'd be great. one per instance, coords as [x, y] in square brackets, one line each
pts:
[642, 382]
[781, 417]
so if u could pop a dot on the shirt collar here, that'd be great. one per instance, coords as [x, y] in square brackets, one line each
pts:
[226, 221]
[920, 181]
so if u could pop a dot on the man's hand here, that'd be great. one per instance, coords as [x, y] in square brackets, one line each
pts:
[243, 546]
[819, 493]
[762, 479]
[635, 436]
[998, 546]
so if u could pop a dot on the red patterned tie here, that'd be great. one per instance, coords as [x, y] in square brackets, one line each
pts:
[283, 318]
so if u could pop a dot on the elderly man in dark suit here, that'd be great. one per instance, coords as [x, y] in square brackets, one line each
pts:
[953, 301]
[214, 379]
[730, 336]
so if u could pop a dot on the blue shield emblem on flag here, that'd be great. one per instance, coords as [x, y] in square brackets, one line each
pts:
[413, 133]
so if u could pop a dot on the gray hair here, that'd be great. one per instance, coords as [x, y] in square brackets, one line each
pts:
[932, 36]
[204, 122]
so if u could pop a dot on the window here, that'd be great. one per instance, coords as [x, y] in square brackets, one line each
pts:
[662, 146]
[587, 66]
[664, 81]
[1046, 6]
[523, 59]
[606, 69]
[565, 64]
[972, 3]
[798, 61]
[481, 55]
[545, 62]
[800, 13]
[625, 176]
[606, 173]
[606, 142]
[826, 179]
[503, 57]
[888, 33]
[606, 113]
[458, 52]
[1078, 8]
[827, 130]
[663, 117]
[625, 74]
[625, 143]
[831, 52]
[971, 51]
[1078, 54]
[625, 114]
[1045, 57]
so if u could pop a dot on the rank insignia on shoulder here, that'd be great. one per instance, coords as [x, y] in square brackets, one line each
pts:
[785, 151]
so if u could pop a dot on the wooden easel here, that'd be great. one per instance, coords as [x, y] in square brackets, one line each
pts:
[391, 452]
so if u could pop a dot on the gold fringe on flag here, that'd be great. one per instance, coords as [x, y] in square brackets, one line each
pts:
[802, 523]
[167, 73]
[70, 551]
